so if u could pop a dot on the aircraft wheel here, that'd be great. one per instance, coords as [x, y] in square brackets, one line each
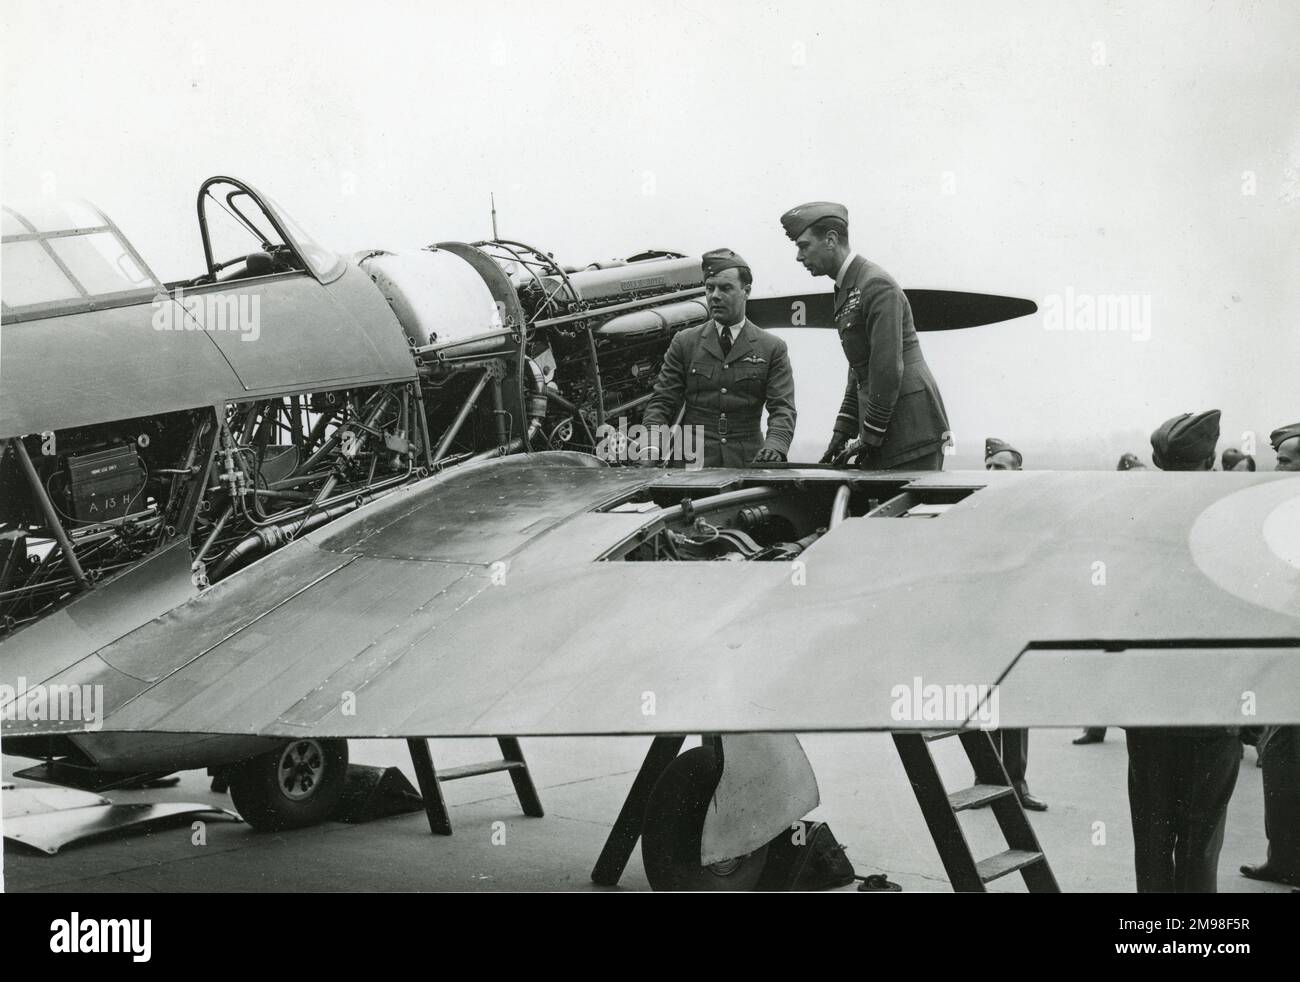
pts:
[290, 788]
[674, 825]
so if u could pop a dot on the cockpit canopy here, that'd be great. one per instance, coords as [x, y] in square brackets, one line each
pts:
[65, 256]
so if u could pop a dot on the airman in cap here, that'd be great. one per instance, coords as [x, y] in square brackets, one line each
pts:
[1012, 745]
[891, 401]
[1279, 747]
[1286, 442]
[797, 220]
[724, 372]
[1180, 779]
[1001, 456]
[1186, 442]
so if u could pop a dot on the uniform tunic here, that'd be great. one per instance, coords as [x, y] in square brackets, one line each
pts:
[891, 398]
[725, 396]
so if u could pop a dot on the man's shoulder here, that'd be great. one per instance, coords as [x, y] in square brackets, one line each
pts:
[869, 276]
[764, 338]
[690, 336]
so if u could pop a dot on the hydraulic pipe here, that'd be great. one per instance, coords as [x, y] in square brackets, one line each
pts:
[727, 499]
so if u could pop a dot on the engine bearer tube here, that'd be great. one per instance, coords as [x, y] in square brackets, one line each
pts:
[568, 407]
[445, 443]
[51, 516]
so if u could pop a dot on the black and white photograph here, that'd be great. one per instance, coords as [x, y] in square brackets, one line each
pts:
[621, 447]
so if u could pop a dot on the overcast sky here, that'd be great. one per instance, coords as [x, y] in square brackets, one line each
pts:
[1146, 150]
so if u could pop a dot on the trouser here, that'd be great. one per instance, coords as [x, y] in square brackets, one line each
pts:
[1281, 760]
[1179, 784]
[1013, 747]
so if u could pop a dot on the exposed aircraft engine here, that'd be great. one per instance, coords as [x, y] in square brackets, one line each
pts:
[301, 385]
[591, 341]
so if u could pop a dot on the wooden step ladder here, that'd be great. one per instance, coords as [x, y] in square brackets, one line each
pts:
[993, 788]
[430, 779]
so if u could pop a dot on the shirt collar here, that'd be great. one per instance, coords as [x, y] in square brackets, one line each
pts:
[839, 277]
[735, 328]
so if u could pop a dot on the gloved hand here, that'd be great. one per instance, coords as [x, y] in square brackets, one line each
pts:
[769, 455]
[834, 448]
[854, 448]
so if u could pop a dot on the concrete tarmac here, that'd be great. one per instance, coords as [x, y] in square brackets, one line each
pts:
[866, 799]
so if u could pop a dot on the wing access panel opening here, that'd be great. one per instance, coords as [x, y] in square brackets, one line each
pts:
[757, 520]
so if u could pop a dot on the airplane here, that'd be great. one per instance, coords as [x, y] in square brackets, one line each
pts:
[485, 574]
[182, 420]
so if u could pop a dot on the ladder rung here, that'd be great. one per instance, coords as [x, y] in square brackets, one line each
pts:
[978, 794]
[932, 735]
[1006, 862]
[474, 770]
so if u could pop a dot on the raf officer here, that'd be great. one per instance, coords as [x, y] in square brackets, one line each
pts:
[724, 372]
[1279, 747]
[892, 402]
[1012, 745]
[1286, 443]
[1180, 779]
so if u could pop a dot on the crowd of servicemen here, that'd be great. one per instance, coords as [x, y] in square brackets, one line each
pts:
[720, 376]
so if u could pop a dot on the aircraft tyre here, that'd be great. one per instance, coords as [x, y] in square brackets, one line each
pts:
[674, 824]
[290, 788]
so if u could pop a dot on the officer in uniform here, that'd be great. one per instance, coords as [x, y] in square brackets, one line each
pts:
[1286, 443]
[1279, 747]
[1001, 456]
[1181, 778]
[1012, 745]
[892, 402]
[725, 371]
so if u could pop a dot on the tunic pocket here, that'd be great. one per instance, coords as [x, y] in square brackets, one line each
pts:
[699, 376]
[748, 380]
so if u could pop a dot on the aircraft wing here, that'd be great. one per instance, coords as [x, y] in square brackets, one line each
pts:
[476, 602]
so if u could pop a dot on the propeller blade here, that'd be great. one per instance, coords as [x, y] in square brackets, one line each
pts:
[932, 310]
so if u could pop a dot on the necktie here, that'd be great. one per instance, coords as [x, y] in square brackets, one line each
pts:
[726, 341]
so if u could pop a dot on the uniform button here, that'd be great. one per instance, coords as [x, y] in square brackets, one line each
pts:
[724, 392]
[724, 439]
